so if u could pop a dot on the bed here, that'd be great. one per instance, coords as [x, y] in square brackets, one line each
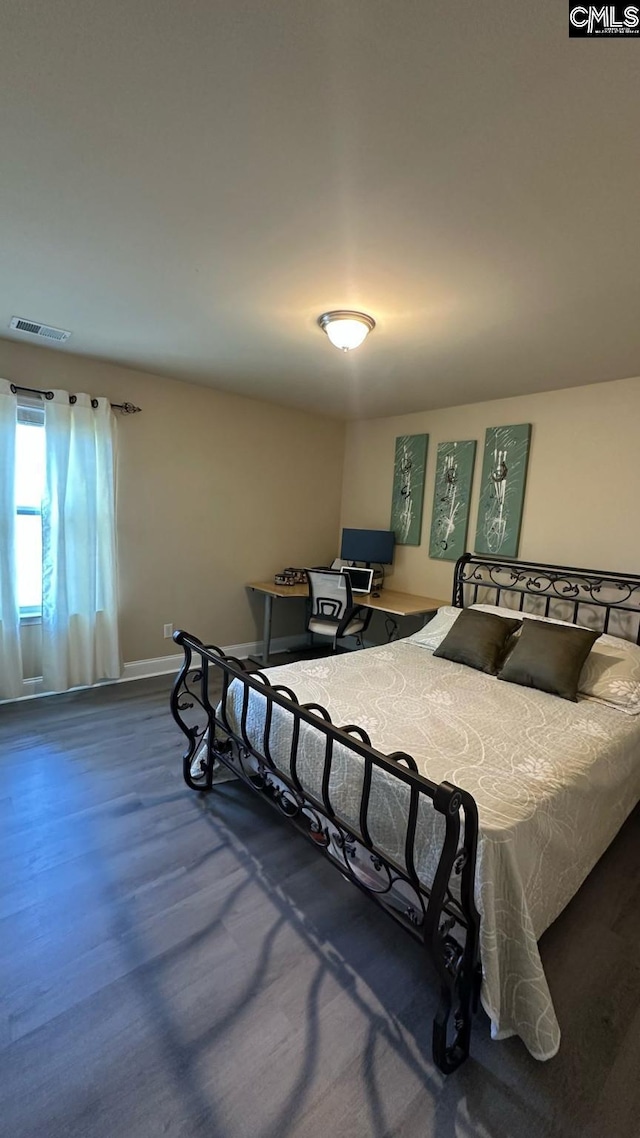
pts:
[469, 809]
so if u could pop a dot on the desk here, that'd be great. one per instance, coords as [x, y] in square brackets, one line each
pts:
[389, 602]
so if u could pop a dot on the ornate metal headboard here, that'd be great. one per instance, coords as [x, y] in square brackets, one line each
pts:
[603, 600]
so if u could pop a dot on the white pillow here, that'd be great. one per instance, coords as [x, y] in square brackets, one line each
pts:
[505, 611]
[611, 672]
[433, 633]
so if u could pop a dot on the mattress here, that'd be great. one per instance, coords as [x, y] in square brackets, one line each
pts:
[553, 782]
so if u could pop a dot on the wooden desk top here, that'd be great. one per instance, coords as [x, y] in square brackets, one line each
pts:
[389, 601]
[399, 604]
[279, 590]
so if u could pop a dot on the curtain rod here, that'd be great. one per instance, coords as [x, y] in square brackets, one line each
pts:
[125, 408]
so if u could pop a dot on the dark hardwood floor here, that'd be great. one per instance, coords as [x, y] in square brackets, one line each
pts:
[180, 966]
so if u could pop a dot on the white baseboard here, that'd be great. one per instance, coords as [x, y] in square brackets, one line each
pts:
[167, 665]
[140, 669]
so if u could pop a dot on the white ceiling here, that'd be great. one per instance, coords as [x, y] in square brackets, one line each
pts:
[187, 186]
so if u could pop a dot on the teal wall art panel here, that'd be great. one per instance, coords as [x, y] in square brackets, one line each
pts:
[504, 478]
[408, 488]
[452, 499]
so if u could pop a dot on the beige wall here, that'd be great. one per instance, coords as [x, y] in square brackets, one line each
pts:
[582, 502]
[213, 491]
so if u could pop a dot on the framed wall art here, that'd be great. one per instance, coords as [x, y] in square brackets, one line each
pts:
[504, 477]
[408, 488]
[451, 499]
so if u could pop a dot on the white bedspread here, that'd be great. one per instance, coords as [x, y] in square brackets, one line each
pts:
[553, 781]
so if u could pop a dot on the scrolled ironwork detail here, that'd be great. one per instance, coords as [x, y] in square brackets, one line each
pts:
[318, 831]
[346, 842]
[602, 593]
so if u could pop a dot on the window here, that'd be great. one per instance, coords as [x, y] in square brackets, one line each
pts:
[30, 480]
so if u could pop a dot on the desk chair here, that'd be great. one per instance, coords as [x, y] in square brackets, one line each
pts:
[332, 611]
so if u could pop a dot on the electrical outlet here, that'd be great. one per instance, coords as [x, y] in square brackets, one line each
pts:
[168, 631]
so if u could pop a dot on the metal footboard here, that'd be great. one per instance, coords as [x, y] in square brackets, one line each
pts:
[441, 913]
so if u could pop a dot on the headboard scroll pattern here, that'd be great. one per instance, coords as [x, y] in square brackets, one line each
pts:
[607, 601]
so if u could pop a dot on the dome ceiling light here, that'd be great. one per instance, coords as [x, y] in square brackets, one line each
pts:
[346, 329]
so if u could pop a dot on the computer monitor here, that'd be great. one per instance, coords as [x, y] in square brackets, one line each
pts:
[369, 545]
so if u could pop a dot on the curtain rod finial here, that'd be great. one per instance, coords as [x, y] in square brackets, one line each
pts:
[127, 408]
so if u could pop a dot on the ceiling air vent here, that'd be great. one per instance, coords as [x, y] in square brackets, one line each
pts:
[42, 330]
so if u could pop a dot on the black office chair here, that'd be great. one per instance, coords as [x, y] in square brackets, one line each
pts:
[333, 612]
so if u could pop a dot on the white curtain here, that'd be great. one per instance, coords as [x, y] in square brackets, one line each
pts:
[79, 587]
[10, 652]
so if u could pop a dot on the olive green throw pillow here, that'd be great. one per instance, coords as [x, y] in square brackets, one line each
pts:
[478, 639]
[549, 657]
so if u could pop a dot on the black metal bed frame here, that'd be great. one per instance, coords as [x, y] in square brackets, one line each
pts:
[442, 915]
[587, 596]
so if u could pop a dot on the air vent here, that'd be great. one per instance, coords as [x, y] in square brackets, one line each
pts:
[42, 330]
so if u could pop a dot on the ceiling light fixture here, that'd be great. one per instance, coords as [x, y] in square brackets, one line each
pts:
[346, 329]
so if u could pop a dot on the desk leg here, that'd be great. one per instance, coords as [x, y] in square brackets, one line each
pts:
[266, 629]
[391, 626]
